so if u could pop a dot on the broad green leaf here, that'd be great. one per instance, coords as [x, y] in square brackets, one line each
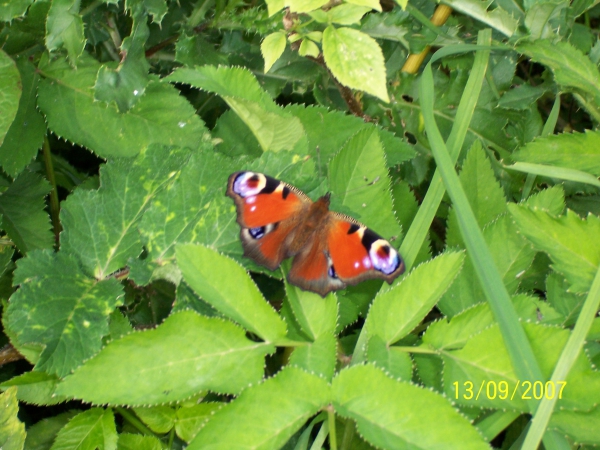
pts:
[64, 28]
[224, 284]
[41, 435]
[571, 68]
[581, 426]
[272, 48]
[391, 414]
[356, 60]
[318, 357]
[89, 430]
[159, 419]
[161, 116]
[23, 215]
[12, 9]
[551, 200]
[35, 388]
[308, 48]
[100, 227]
[316, 316]
[579, 151]
[359, 181]
[265, 416]
[498, 18]
[274, 6]
[25, 135]
[483, 365]
[194, 50]
[521, 97]
[566, 303]
[184, 355]
[483, 191]
[129, 441]
[193, 209]
[191, 418]
[303, 6]
[12, 430]
[10, 93]
[397, 311]
[127, 83]
[571, 242]
[541, 18]
[373, 4]
[57, 306]
[347, 14]
[274, 129]
[393, 360]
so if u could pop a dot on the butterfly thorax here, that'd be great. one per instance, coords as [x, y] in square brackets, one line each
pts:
[312, 221]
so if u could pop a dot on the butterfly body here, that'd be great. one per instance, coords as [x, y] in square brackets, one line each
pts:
[330, 250]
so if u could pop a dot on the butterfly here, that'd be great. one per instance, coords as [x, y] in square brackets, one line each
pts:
[330, 250]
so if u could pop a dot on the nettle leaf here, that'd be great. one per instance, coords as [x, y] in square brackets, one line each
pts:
[12, 430]
[393, 360]
[59, 307]
[571, 242]
[100, 227]
[499, 19]
[397, 311]
[64, 28]
[94, 428]
[359, 181]
[26, 134]
[127, 83]
[272, 48]
[10, 93]
[274, 129]
[571, 68]
[23, 216]
[161, 116]
[13, 9]
[193, 209]
[225, 284]
[267, 415]
[184, 355]
[190, 418]
[551, 200]
[159, 419]
[318, 357]
[356, 60]
[484, 363]
[580, 151]
[521, 97]
[36, 388]
[391, 414]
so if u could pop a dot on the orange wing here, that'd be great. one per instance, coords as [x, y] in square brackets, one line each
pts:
[267, 212]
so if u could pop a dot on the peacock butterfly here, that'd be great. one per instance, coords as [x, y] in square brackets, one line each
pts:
[330, 250]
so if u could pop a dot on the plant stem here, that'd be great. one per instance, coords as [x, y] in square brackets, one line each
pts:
[54, 204]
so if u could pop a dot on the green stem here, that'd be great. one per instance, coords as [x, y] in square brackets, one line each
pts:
[54, 204]
[134, 421]
[331, 423]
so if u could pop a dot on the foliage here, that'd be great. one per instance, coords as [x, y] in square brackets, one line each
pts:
[136, 320]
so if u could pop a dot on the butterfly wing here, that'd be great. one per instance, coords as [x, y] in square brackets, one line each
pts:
[267, 212]
[344, 253]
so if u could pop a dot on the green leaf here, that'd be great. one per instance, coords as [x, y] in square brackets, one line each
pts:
[541, 18]
[41, 435]
[58, 307]
[138, 442]
[393, 360]
[272, 48]
[159, 419]
[224, 284]
[267, 415]
[12, 430]
[14, 8]
[161, 116]
[499, 19]
[274, 129]
[10, 93]
[303, 6]
[318, 357]
[64, 28]
[391, 414]
[191, 418]
[25, 135]
[359, 181]
[397, 311]
[127, 83]
[23, 216]
[356, 60]
[571, 242]
[308, 48]
[187, 353]
[347, 14]
[551, 200]
[581, 426]
[100, 227]
[483, 192]
[580, 151]
[522, 97]
[36, 388]
[89, 430]
[571, 68]
[373, 4]
[566, 303]
[555, 172]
